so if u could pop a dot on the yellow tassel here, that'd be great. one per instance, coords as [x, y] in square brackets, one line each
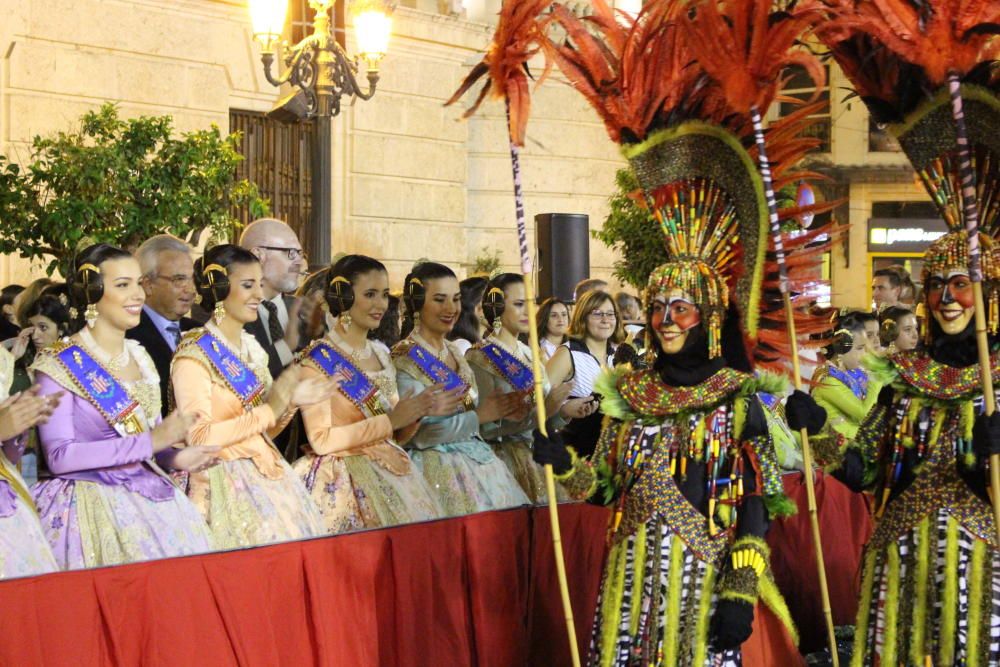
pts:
[711, 517]
[949, 599]
[889, 636]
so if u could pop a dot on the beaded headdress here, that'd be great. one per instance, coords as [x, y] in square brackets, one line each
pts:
[692, 153]
[913, 63]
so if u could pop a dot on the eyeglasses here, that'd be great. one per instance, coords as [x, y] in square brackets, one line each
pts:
[291, 253]
[179, 280]
[602, 315]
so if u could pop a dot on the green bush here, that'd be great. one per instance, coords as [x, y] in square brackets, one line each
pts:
[633, 233]
[120, 181]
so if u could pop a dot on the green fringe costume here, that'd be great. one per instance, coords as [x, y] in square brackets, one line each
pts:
[931, 573]
[669, 562]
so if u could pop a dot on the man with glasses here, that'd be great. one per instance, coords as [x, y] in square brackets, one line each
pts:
[283, 262]
[168, 280]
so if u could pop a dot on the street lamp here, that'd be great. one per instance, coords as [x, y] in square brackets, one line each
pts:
[323, 72]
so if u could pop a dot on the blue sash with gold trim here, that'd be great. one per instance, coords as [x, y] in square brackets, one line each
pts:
[512, 369]
[240, 378]
[101, 388]
[434, 368]
[354, 384]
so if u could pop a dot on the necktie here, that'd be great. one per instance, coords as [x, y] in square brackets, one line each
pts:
[274, 328]
[174, 329]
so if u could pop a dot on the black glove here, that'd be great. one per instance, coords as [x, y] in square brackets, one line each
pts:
[803, 412]
[852, 471]
[732, 624]
[986, 436]
[551, 451]
[885, 396]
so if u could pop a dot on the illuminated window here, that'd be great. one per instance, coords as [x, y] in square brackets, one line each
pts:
[800, 87]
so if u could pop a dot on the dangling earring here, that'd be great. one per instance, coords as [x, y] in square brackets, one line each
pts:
[345, 321]
[219, 313]
[416, 321]
[497, 326]
[90, 315]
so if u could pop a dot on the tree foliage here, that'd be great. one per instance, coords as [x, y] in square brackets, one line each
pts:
[120, 181]
[633, 233]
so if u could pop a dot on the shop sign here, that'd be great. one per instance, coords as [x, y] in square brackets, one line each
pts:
[903, 234]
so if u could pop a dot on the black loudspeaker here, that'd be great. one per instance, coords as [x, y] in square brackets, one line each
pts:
[563, 242]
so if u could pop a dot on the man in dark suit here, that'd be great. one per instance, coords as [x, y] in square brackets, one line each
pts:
[278, 326]
[168, 280]
[282, 263]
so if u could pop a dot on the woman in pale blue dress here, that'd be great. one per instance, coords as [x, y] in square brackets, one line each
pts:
[458, 464]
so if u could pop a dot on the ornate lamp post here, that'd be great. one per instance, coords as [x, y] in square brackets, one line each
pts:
[320, 68]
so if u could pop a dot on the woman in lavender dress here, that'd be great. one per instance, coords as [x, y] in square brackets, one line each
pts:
[24, 551]
[108, 500]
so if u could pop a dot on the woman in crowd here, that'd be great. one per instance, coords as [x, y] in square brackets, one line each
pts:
[899, 330]
[219, 376]
[502, 365]
[358, 476]
[842, 385]
[471, 325]
[24, 551]
[553, 323]
[593, 334]
[461, 468]
[107, 500]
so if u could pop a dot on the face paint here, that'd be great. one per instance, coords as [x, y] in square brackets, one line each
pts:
[950, 300]
[673, 316]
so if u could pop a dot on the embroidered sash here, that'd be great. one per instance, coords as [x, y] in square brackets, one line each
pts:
[355, 385]
[435, 369]
[856, 380]
[105, 393]
[509, 367]
[237, 375]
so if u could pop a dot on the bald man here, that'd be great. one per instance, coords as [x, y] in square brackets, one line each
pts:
[282, 261]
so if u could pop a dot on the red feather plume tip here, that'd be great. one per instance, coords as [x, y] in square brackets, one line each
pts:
[884, 46]
[516, 40]
[747, 45]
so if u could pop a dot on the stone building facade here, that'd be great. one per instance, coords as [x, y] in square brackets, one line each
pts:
[410, 178]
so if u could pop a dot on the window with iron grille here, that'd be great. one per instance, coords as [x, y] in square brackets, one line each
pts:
[277, 157]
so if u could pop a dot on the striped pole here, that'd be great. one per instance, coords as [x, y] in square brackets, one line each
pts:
[967, 180]
[779, 251]
[536, 369]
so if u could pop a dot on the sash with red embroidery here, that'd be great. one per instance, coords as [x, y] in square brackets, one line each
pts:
[354, 384]
[100, 387]
[237, 375]
[434, 368]
[510, 368]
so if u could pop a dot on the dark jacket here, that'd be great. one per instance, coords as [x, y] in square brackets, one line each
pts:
[152, 340]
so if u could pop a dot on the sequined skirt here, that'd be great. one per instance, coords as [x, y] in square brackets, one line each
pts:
[655, 604]
[464, 483]
[24, 551]
[930, 597]
[516, 455]
[244, 509]
[89, 524]
[354, 492]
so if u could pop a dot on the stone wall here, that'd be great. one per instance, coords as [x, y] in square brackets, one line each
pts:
[410, 178]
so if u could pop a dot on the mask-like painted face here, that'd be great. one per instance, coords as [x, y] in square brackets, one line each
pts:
[950, 300]
[674, 315]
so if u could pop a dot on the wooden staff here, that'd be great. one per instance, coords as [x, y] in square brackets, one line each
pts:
[536, 368]
[967, 177]
[779, 251]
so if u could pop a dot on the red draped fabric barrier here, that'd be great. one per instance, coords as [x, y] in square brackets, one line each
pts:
[845, 525]
[477, 590]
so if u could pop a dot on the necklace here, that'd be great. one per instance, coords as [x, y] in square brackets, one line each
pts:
[441, 355]
[241, 351]
[514, 352]
[114, 363]
[366, 351]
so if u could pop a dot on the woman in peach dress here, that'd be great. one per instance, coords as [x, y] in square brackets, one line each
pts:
[354, 470]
